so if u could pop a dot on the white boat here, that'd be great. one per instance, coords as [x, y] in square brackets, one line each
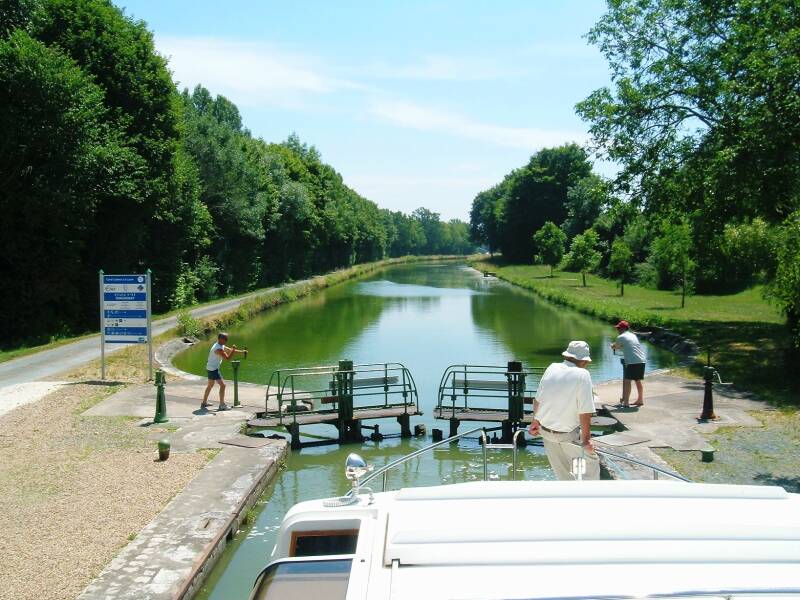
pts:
[537, 539]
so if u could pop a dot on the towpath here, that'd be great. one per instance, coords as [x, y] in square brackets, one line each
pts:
[48, 363]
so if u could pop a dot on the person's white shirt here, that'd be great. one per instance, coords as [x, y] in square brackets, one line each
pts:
[632, 349]
[214, 359]
[565, 392]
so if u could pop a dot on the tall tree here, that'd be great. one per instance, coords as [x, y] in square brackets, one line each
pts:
[57, 158]
[145, 223]
[705, 90]
[672, 253]
[506, 216]
[536, 194]
[431, 225]
[585, 202]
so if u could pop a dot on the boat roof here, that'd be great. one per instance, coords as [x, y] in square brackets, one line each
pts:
[577, 539]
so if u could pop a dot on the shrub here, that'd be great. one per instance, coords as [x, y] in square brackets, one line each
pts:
[188, 325]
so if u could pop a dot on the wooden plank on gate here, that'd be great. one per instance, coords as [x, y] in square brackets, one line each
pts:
[481, 384]
[372, 381]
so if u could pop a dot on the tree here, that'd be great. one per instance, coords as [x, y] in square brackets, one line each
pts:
[785, 287]
[585, 202]
[483, 218]
[507, 216]
[583, 255]
[620, 262]
[143, 220]
[432, 227]
[671, 253]
[57, 156]
[549, 242]
[705, 92]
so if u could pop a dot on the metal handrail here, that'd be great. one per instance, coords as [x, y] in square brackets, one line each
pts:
[486, 446]
[282, 385]
[403, 459]
[656, 470]
[450, 390]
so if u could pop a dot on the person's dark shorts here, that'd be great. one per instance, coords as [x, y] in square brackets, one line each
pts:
[214, 375]
[634, 371]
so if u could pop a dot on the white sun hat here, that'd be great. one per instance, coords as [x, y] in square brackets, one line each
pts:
[577, 350]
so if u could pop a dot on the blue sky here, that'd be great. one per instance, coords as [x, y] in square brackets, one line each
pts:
[414, 103]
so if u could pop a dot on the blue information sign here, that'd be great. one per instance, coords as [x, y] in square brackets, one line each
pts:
[125, 313]
[125, 309]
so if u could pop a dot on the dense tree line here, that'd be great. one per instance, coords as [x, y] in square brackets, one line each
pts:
[105, 164]
[702, 116]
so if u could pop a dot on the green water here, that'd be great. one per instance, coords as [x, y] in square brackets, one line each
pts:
[427, 317]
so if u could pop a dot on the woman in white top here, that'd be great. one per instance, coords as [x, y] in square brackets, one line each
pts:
[219, 352]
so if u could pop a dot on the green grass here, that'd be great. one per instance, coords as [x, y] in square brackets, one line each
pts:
[748, 455]
[746, 334]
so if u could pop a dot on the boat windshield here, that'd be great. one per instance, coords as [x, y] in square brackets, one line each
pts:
[300, 580]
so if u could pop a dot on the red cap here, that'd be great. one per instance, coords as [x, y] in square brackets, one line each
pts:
[622, 325]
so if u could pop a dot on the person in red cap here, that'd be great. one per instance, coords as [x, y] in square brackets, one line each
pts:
[632, 363]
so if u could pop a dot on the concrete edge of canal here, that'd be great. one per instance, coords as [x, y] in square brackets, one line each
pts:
[172, 556]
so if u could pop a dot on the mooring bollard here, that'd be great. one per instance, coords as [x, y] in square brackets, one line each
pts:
[707, 414]
[235, 364]
[163, 449]
[161, 401]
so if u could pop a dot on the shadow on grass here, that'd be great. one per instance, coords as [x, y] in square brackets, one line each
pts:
[790, 484]
[754, 356]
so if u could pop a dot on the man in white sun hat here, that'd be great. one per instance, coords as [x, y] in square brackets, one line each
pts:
[562, 413]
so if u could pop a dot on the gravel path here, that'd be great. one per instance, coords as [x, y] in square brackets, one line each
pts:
[74, 490]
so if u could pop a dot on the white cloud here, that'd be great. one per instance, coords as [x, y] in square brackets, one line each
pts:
[437, 67]
[415, 116]
[249, 73]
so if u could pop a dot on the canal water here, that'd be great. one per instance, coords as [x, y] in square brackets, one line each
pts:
[426, 316]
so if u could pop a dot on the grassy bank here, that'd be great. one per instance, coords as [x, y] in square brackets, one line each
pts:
[275, 295]
[746, 334]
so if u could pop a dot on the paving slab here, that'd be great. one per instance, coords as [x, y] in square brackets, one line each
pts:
[183, 400]
[170, 557]
[622, 438]
[668, 418]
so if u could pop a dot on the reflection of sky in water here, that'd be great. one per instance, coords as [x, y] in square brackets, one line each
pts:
[389, 289]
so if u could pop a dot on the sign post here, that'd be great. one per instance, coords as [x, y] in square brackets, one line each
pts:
[149, 327]
[125, 313]
[102, 333]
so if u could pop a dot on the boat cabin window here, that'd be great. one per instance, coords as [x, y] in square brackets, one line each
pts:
[300, 580]
[323, 543]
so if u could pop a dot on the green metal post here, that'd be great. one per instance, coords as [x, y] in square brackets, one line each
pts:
[516, 391]
[161, 401]
[235, 364]
[344, 380]
[344, 396]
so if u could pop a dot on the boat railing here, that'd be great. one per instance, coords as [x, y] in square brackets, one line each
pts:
[656, 470]
[513, 446]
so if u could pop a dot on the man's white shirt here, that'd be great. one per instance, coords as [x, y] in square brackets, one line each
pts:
[565, 392]
[632, 349]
